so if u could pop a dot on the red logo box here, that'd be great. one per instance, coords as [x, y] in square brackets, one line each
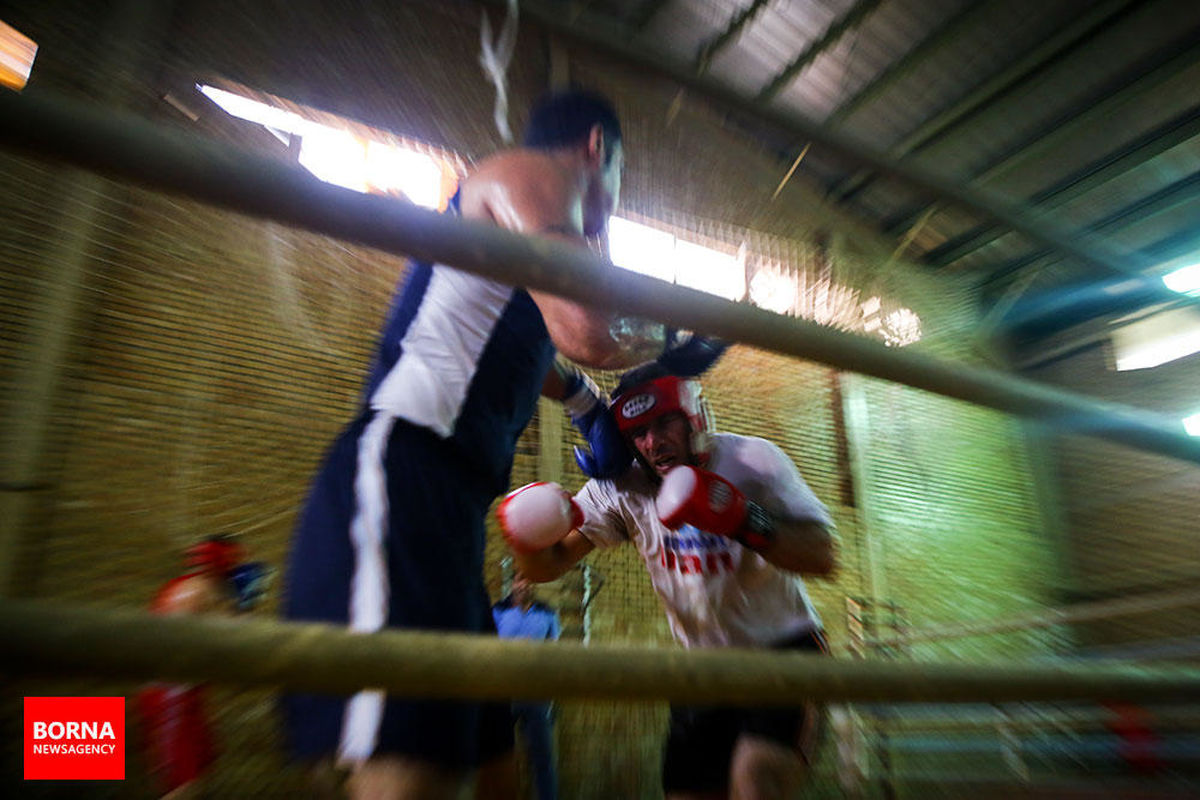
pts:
[74, 738]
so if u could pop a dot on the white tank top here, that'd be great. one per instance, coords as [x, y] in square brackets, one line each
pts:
[717, 593]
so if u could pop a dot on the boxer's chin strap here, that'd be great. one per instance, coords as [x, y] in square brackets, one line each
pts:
[759, 529]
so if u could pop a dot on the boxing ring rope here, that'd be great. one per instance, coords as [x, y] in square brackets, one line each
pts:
[1080, 612]
[126, 146]
[41, 639]
[1030, 717]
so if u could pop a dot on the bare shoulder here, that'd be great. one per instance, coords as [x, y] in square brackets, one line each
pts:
[519, 189]
[752, 453]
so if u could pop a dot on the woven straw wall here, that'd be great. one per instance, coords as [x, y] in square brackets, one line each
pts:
[1129, 516]
[212, 357]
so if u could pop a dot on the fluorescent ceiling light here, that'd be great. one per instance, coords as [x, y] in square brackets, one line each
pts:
[1185, 280]
[1161, 352]
[1192, 424]
[1164, 337]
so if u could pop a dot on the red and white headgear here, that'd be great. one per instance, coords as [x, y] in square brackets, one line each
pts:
[646, 401]
[215, 555]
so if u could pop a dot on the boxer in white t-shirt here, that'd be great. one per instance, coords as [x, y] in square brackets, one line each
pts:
[725, 525]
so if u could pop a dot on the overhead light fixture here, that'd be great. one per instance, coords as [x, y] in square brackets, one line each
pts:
[1185, 280]
[1192, 424]
[1157, 339]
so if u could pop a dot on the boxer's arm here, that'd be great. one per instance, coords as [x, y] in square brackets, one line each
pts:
[598, 338]
[806, 541]
[564, 379]
[552, 562]
[803, 547]
[547, 206]
[606, 454]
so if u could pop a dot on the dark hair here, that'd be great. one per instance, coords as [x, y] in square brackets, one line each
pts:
[635, 377]
[565, 118]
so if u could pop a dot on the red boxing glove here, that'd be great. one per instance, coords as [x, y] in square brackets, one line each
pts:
[537, 516]
[705, 500]
[691, 496]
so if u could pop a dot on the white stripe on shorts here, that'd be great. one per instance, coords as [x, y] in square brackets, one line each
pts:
[369, 588]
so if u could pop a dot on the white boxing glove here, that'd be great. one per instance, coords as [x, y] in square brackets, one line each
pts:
[537, 516]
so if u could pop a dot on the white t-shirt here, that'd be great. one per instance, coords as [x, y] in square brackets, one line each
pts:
[717, 593]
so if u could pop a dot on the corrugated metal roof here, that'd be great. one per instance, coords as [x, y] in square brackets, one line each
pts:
[861, 54]
[680, 28]
[1084, 111]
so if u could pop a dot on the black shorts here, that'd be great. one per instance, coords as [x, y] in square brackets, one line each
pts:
[702, 738]
[416, 511]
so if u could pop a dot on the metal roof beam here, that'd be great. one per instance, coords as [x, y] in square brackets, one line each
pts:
[712, 47]
[1177, 194]
[1166, 199]
[603, 36]
[944, 36]
[854, 16]
[1185, 244]
[1041, 56]
[641, 18]
[1146, 147]
[1103, 104]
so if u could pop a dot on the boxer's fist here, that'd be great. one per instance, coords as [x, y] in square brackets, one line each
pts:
[703, 499]
[537, 516]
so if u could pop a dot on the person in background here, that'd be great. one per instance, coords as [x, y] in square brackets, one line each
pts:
[178, 740]
[521, 616]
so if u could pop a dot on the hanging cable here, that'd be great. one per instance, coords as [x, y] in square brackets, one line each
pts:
[495, 58]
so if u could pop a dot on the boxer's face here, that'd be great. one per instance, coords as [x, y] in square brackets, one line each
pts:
[522, 590]
[665, 442]
[605, 188]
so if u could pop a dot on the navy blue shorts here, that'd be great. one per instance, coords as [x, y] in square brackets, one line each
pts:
[392, 536]
[702, 738]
